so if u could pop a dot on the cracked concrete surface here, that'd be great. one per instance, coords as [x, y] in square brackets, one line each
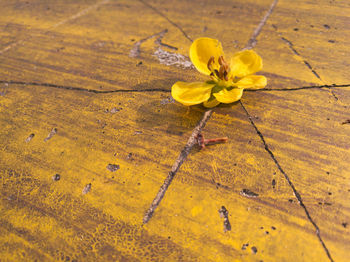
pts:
[288, 131]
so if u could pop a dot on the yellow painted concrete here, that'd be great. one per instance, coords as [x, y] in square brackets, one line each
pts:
[86, 44]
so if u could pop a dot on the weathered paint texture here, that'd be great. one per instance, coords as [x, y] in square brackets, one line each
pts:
[89, 132]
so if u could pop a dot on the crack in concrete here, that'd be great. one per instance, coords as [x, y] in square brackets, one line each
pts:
[84, 89]
[81, 13]
[166, 18]
[296, 193]
[253, 39]
[73, 17]
[176, 166]
[164, 57]
[136, 49]
[297, 88]
[157, 89]
[292, 48]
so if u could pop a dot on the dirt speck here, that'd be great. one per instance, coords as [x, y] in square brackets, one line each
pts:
[254, 250]
[224, 214]
[273, 183]
[244, 247]
[114, 110]
[113, 167]
[324, 203]
[87, 189]
[130, 156]
[51, 134]
[56, 177]
[168, 100]
[247, 193]
[30, 137]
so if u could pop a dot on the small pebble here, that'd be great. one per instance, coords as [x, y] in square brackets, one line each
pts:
[114, 110]
[129, 156]
[30, 137]
[244, 247]
[247, 193]
[87, 189]
[254, 250]
[56, 177]
[168, 100]
[113, 167]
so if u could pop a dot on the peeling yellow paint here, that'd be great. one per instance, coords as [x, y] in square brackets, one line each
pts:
[48, 220]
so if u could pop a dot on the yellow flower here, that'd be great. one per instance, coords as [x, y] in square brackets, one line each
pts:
[228, 80]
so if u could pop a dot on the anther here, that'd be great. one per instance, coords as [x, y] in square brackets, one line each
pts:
[211, 60]
[221, 60]
[226, 75]
[221, 72]
[227, 68]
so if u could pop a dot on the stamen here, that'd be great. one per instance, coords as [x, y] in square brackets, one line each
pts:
[221, 60]
[224, 68]
[221, 71]
[209, 65]
[226, 75]
[227, 68]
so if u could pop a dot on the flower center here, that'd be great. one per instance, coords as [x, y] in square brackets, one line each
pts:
[222, 73]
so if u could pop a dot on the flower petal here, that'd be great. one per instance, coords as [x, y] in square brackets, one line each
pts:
[201, 50]
[211, 103]
[225, 96]
[252, 82]
[245, 63]
[191, 93]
